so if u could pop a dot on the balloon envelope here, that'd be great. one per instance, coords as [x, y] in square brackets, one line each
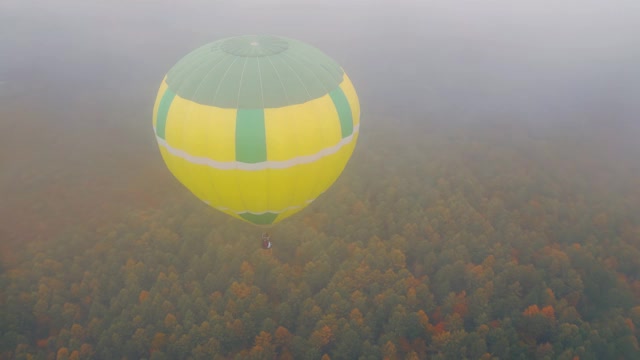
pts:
[256, 126]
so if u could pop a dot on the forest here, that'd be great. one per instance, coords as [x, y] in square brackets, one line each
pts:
[476, 241]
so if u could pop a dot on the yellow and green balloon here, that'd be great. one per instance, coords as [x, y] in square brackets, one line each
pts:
[256, 126]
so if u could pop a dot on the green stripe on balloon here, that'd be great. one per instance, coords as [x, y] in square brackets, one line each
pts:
[163, 112]
[344, 111]
[259, 219]
[251, 138]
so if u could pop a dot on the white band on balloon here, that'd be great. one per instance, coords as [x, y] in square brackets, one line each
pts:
[283, 164]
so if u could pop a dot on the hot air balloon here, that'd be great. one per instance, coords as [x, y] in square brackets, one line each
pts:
[256, 126]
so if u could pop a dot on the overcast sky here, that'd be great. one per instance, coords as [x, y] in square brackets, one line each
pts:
[462, 58]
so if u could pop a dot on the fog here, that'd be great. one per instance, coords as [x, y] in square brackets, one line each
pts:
[78, 78]
[543, 58]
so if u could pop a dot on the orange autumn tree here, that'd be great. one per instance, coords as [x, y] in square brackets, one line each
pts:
[548, 312]
[531, 310]
[321, 337]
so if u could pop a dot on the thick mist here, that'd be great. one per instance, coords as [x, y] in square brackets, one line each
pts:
[78, 79]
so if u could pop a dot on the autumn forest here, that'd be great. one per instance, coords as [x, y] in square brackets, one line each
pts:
[482, 241]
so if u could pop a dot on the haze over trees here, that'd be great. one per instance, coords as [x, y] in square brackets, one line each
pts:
[481, 241]
[491, 209]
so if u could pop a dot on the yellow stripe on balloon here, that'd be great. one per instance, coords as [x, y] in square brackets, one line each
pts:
[325, 176]
[302, 129]
[201, 130]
